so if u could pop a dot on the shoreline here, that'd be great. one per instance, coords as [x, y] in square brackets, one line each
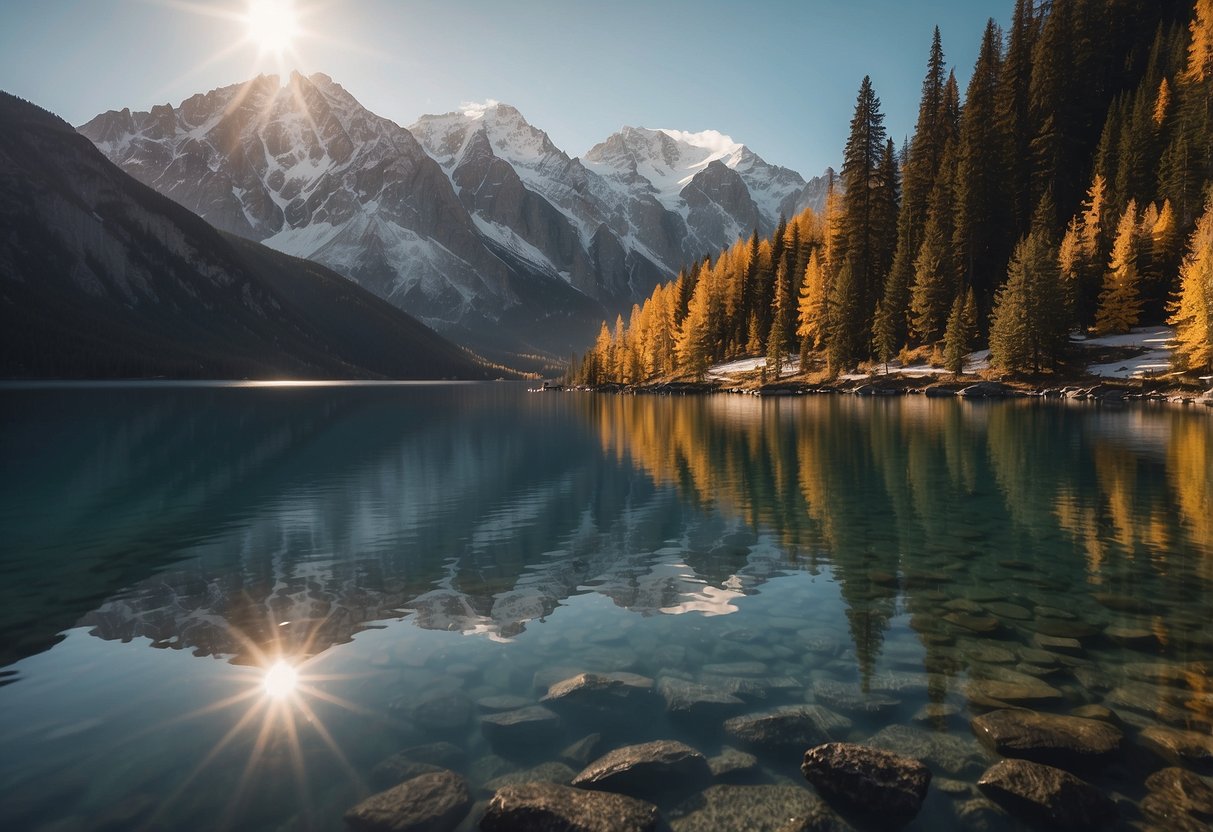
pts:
[1104, 391]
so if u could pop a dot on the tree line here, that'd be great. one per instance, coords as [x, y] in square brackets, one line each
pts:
[1069, 191]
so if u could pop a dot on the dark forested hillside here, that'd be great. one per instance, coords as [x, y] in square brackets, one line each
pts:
[101, 277]
[1068, 190]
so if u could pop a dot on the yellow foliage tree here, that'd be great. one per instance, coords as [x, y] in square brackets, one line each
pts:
[1120, 301]
[1162, 103]
[1192, 310]
[1200, 48]
[811, 317]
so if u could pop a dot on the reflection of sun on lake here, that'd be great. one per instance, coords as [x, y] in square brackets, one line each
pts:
[280, 680]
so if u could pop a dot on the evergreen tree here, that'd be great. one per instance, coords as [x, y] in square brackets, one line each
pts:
[884, 335]
[1120, 301]
[1192, 310]
[981, 221]
[934, 268]
[845, 341]
[962, 327]
[863, 207]
[775, 347]
[1014, 119]
[1028, 329]
[922, 161]
[785, 305]
[888, 194]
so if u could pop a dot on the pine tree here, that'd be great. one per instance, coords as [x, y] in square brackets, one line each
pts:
[981, 221]
[1014, 117]
[884, 334]
[962, 326]
[1192, 309]
[862, 214]
[1120, 301]
[934, 268]
[1029, 327]
[845, 340]
[775, 347]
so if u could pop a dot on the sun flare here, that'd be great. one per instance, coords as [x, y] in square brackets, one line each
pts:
[280, 680]
[272, 24]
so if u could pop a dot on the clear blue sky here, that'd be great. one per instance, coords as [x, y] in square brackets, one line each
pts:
[779, 75]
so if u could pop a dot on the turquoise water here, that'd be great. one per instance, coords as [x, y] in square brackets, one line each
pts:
[417, 552]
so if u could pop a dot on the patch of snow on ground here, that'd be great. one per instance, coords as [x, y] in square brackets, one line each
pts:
[791, 366]
[1154, 360]
[1153, 337]
[1147, 365]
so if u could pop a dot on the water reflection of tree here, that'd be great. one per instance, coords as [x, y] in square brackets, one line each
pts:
[893, 493]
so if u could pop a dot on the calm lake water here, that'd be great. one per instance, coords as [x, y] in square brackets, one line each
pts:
[428, 555]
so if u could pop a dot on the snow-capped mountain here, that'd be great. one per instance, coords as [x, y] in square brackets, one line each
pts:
[102, 277]
[473, 220]
[720, 188]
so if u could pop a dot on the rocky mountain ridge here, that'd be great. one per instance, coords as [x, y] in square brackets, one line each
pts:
[474, 220]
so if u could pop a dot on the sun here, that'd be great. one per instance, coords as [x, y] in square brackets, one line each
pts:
[280, 680]
[272, 25]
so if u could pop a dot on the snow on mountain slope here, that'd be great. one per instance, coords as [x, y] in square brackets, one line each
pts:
[304, 168]
[665, 162]
[474, 220]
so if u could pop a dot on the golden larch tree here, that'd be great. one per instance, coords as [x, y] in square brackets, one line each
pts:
[1120, 301]
[1192, 310]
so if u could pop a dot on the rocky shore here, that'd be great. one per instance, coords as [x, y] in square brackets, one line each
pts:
[1113, 393]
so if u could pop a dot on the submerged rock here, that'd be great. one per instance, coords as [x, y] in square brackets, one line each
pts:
[880, 785]
[504, 702]
[1178, 799]
[581, 752]
[548, 807]
[1005, 609]
[646, 770]
[790, 726]
[600, 694]
[397, 768]
[851, 698]
[430, 803]
[1187, 748]
[1058, 644]
[695, 701]
[1047, 796]
[1066, 741]
[996, 692]
[983, 624]
[543, 773]
[755, 809]
[944, 752]
[533, 725]
[731, 763]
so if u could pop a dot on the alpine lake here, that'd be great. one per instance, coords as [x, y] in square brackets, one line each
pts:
[248, 607]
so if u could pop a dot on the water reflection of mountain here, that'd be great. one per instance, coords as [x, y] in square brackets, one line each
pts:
[198, 518]
[202, 518]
